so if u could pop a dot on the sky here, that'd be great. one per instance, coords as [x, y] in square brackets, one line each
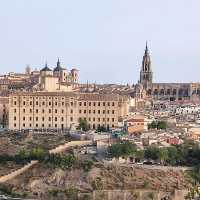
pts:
[103, 39]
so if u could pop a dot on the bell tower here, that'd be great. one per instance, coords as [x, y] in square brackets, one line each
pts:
[146, 74]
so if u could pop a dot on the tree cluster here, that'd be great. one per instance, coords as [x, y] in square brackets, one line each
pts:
[124, 148]
[83, 125]
[157, 125]
[186, 154]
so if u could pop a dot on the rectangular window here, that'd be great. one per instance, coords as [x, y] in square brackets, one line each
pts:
[71, 111]
[89, 103]
[15, 103]
[62, 111]
[113, 103]
[36, 103]
[24, 103]
[80, 103]
[23, 118]
[36, 110]
[98, 111]
[15, 110]
[56, 119]
[55, 110]
[30, 103]
[49, 110]
[94, 111]
[30, 118]
[113, 112]
[84, 111]
[84, 103]
[80, 111]
[94, 104]
[14, 125]
[71, 119]
[30, 110]
[62, 119]
[49, 118]
[24, 110]
[15, 118]
[42, 110]
[99, 103]
[108, 104]
[63, 103]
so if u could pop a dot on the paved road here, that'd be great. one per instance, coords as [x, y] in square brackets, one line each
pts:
[158, 167]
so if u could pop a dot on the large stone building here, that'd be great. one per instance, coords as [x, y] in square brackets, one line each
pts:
[62, 110]
[171, 91]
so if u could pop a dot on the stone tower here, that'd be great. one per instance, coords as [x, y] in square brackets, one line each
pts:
[146, 74]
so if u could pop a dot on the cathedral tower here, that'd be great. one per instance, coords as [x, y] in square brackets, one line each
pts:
[146, 74]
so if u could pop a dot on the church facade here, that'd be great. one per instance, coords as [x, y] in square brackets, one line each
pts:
[165, 91]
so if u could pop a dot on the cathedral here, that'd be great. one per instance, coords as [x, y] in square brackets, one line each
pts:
[146, 88]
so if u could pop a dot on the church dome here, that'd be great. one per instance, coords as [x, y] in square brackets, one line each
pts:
[46, 68]
[58, 67]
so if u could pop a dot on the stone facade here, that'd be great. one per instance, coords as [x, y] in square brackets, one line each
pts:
[62, 110]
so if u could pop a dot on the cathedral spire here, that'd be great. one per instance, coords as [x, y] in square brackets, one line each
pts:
[146, 74]
[146, 49]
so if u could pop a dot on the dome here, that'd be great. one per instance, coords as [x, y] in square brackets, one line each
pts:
[58, 67]
[46, 68]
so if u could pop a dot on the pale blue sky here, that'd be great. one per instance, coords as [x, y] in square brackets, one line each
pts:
[104, 39]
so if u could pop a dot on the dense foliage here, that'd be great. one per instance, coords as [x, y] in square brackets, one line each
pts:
[55, 160]
[83, 125]
[124, 148]
[157, 125]
[186, 154]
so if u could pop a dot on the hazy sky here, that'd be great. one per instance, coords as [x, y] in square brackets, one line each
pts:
[104, 39]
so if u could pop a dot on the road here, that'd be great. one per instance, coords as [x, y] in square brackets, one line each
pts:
[156, 167]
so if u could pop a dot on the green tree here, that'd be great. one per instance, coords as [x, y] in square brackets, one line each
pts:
[163, 155]
[83, 125]
[124, 148]
[152, 152]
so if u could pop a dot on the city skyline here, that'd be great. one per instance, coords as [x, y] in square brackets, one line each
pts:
[106, 47]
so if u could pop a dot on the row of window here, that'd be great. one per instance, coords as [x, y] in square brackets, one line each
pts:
[71, 111]
[50, 103]
[43, 119]
[37, 125]
[98, 112]
[43, 111]
[94, 126]
[96, 103]
[62, 119]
